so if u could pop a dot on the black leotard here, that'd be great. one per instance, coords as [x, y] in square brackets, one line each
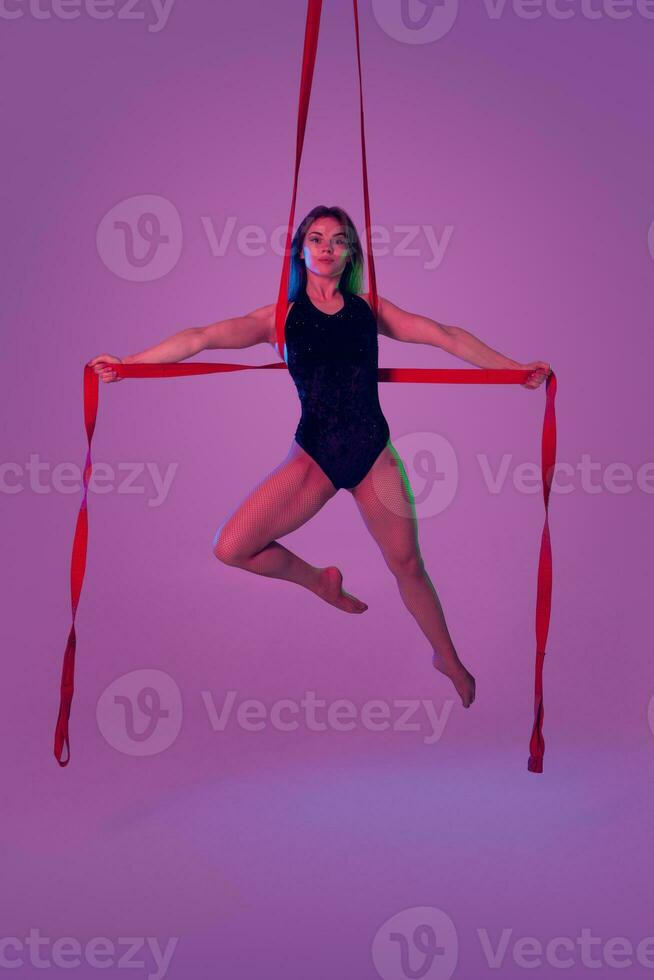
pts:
[332, 358]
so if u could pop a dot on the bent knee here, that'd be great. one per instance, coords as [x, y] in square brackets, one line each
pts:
[228, 547]
[403, 566]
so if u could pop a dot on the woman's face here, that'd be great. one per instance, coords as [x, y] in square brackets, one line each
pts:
[325, 247]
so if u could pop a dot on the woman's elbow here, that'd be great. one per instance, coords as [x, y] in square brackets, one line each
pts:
[446, 338]
[199, 339]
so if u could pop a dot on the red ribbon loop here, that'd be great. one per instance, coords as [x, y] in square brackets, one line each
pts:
[413, 375]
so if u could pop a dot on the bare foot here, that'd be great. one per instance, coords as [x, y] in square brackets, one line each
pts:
[462, 679]
[330, 588]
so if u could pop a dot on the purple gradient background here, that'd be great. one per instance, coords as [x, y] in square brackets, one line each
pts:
[280, 854]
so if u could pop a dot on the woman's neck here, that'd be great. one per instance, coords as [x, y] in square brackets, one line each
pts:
[323, 292]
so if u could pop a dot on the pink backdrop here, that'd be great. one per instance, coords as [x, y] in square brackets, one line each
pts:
[510, 163]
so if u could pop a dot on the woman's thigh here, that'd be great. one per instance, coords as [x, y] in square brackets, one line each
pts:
[386, 503]
[284, 500]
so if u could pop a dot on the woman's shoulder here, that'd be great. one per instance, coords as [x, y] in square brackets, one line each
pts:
[368, 300]
[271, 316]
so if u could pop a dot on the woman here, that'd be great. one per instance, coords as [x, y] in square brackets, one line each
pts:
[342, 439]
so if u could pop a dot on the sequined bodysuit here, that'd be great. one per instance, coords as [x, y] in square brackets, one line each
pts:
[332, 358]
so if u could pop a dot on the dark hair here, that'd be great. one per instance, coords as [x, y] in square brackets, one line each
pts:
[352, 276]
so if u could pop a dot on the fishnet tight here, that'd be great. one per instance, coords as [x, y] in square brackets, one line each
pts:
[385, 501]
[294, 491]
[291, 494]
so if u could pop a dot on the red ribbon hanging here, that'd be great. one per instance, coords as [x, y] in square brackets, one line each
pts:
[413, 375]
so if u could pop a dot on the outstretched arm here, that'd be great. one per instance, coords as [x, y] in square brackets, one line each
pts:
[239, 331]
[415, 329]
[235, 332]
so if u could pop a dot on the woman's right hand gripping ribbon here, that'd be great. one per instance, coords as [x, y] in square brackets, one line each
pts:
[101, 366]
[539, 372]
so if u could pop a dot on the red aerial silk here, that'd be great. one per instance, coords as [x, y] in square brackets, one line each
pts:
[415, 375]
